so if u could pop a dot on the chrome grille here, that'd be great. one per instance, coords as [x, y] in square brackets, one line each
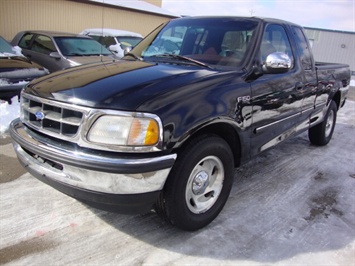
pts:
[54, 118]
[72, 122]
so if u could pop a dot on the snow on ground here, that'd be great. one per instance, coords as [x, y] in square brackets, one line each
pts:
[8, 113]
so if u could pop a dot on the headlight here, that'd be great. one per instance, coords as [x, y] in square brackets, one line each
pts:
[125, 131]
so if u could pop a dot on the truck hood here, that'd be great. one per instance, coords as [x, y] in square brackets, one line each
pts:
[121, 85]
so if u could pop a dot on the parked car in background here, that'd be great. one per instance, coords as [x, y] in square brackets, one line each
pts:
[114, 40]
[15, 70]
[60, 50]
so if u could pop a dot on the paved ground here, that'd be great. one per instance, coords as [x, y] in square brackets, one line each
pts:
[295, 205]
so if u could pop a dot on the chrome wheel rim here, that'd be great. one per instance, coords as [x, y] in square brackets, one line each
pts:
[329, 124]
[205, 184]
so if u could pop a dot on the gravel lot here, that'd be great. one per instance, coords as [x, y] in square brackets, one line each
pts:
[294, 205]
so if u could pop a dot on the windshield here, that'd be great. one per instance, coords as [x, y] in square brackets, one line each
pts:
[70, 46]
[216, 41]
[6, 48]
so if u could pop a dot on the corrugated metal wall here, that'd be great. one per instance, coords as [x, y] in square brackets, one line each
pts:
[155, 2]
[70, 16]
[333, 46]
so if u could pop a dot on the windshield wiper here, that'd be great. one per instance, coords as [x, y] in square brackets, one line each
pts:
[183, 58]
[134, 56]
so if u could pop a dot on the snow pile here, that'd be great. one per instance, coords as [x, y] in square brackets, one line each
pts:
[8, 113]
[23, 73]
[110, 32]
[15, 51]
[5, 82]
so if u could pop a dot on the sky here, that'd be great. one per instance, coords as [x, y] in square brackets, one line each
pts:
[334, 14]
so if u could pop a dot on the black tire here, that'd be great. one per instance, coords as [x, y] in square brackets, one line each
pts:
[322, 133]
[199, 183]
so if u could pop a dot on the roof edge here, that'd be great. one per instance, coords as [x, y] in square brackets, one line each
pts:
[338, 31]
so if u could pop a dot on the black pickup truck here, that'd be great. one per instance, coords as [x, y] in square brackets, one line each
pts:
[165, 127]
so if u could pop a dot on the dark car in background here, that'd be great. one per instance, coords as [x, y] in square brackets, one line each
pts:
[15, 71]
[60, 50]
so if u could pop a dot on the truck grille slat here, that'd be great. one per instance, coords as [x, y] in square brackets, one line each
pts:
[54, 118]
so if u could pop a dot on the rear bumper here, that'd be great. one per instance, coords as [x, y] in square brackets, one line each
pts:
[125, 183]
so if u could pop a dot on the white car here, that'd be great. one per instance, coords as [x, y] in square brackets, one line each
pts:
[115, 40]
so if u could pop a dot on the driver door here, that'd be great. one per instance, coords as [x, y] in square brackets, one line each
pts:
[276, 98]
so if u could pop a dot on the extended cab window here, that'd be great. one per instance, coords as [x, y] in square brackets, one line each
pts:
[43, 44]
[303, 48]
[275, 40]
[25, 41]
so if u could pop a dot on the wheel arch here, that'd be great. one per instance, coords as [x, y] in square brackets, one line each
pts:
[223, 130]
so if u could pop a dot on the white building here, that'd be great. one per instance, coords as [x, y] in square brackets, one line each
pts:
[333, 46]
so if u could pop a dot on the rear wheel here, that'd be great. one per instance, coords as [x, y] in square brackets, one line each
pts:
[322, 133]
[199, 183]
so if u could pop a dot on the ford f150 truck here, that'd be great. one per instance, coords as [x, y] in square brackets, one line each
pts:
[165, 127]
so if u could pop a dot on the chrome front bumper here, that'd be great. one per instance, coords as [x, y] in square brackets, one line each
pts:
[89, 170]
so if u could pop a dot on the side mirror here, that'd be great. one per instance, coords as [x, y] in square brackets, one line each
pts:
[113, 48]
[55, 55]
[277, 62]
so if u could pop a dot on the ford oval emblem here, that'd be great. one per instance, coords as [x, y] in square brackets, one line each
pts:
[39, 115]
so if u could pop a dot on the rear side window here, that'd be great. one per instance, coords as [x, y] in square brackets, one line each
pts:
[43, 44]
[303, 48]
[25, 41]
[95, 37]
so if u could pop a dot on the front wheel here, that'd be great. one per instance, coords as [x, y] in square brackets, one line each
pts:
[322, 133]
[199, 183]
